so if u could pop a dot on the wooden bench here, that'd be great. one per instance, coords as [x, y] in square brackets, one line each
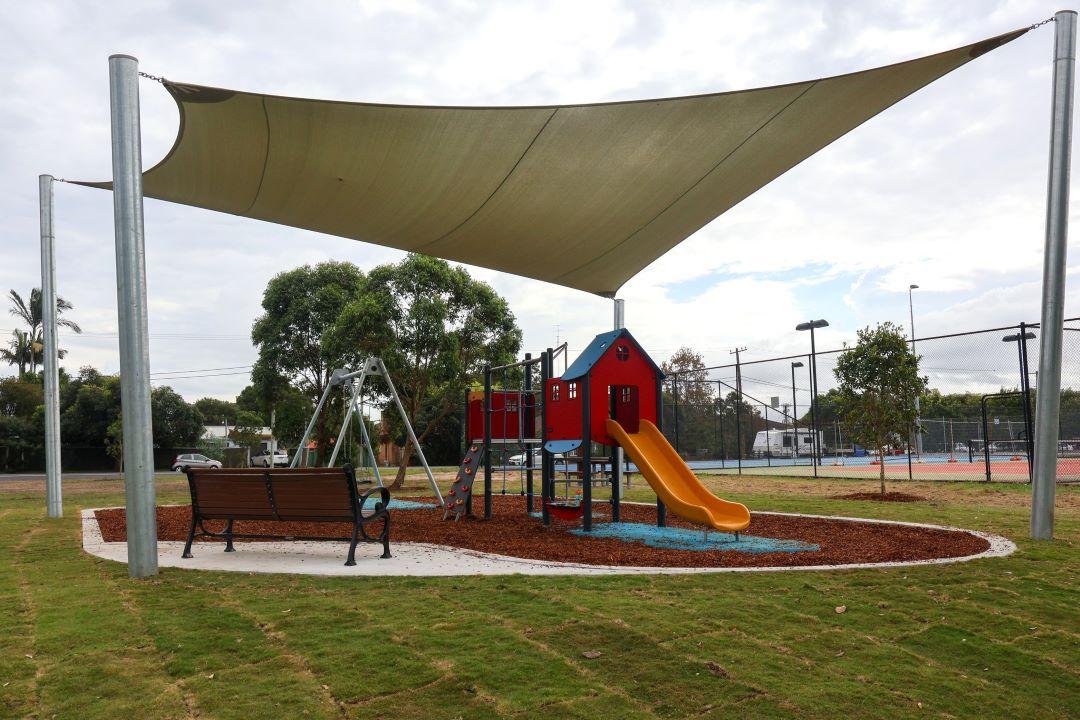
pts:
[287, 495]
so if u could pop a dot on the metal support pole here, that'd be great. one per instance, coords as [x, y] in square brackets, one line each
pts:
[816, 443]
[794, 420]
[661, 511]
[547, 462]
[380, 366]
[527, 418]
[139, 490]
[617, 453]
[1025, 388]
[675, 414]
[54, 498]
[986, 439]
[586, 453]
[1048, 400]
[301, 449]
[487, 442]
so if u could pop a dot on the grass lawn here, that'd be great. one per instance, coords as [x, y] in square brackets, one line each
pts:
[991, 638]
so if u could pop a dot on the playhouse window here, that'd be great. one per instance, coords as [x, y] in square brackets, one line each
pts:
[625, 393]
[554, 392]
[572, 391]
[511, 406]
[622, 352]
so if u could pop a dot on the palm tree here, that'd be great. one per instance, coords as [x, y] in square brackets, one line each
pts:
[31, 314]
[19, 351]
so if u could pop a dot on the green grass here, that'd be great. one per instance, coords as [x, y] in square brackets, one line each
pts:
[991, 638]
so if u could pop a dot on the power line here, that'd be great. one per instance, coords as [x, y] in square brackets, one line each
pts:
[199, 370]
[194, 377]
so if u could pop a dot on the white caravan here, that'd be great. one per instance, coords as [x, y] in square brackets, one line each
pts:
[782, 442]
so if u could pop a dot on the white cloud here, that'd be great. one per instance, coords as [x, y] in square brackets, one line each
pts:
[946, 189]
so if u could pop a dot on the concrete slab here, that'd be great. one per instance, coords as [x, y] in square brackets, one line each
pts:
[426, 560]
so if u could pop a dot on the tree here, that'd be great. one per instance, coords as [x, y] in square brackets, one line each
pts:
[19, 352]
[214, 411]
[435, 327]
[697, 401]
[299, 309]
[248, 429]
[878, 383]
[31, 314]
[176, 423]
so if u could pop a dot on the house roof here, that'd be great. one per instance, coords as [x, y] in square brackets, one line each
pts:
[596, 349]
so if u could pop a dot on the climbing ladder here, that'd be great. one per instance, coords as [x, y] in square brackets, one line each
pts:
[457, 499]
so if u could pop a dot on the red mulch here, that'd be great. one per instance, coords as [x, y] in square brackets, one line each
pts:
[511, 532]
[878, 497]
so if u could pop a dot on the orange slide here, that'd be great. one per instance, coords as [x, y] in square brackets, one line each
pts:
[673, 480]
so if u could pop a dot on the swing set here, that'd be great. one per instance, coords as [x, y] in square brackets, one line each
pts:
[352, 383]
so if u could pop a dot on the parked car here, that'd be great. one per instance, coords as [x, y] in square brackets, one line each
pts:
[193, 460]
[263, 459]
[538, 456]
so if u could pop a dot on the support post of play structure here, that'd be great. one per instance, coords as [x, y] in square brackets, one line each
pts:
[547, 462]
[487, 442]
[617, 451]
[301, 449]
[1048, 391]
[139, 491]
[586, 453]
[527, 419]
[54, 502]
[661, 511]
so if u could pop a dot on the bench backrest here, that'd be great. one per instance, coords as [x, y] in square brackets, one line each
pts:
[296, 494]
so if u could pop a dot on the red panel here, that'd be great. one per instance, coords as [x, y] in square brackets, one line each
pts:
[563, 411]
[503, 425]
[610, 370]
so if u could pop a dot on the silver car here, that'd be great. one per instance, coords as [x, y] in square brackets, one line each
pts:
[263, 459]
[193, 460]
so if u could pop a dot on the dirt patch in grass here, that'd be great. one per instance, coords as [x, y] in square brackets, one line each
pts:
[511, 532]
[879, 497]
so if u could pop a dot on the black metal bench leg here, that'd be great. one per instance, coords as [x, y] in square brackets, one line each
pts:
[228, 538]
[386, 539]
[190, 537]
[352, 546]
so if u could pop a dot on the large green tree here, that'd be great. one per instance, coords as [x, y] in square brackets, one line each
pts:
[299, 309]
[878, 382]
[176, 423]
[216, 412]
[435, 328]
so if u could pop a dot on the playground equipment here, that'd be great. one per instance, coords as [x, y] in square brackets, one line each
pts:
[353, 381]
[611, 395]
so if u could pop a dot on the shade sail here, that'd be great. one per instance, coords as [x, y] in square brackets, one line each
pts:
[584, 196]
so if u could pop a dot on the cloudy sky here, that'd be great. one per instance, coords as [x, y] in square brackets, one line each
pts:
[946, 190]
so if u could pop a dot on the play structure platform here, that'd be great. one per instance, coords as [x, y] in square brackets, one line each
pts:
[674, 482]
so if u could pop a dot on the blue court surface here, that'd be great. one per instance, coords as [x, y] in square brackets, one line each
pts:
[684, 539]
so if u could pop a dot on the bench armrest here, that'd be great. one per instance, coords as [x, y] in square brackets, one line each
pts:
[382, 506]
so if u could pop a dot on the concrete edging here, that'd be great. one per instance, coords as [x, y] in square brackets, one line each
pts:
[427, 560]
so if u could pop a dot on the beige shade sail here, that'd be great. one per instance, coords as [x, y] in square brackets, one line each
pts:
[584, 196]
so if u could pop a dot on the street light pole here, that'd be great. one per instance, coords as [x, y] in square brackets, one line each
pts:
[1021, 339]
[794, 415]
[918, 416]
[816, 444]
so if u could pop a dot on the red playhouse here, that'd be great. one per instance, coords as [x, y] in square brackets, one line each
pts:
[612, 396]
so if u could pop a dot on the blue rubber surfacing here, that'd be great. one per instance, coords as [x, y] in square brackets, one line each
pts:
[684, 539]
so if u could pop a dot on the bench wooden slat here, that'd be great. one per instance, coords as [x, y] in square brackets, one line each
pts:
[286, 494]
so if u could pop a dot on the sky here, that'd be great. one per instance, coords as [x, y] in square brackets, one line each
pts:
[946, 190]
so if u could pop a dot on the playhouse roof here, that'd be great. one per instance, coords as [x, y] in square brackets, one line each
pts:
[596, 349]
[584, 196]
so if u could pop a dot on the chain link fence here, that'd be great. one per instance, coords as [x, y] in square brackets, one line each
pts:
[764, 417]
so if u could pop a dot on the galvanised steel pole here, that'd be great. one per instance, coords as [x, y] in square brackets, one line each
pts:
[1048, 397]
[54, 498]
[139, 491]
